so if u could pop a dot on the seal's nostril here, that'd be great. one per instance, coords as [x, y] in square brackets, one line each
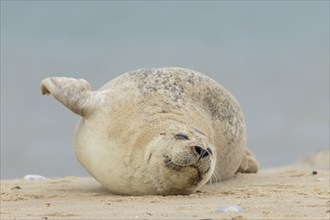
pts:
[201, 152]
[209, 150]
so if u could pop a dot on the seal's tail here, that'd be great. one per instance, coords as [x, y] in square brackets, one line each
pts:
[75, 94]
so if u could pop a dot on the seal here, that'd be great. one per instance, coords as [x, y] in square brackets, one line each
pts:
[156, 131]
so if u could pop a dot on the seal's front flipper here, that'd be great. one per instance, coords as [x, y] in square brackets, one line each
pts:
[75, 94]
[249, 163]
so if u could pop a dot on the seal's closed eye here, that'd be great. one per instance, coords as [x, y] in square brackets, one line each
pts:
[181, 136]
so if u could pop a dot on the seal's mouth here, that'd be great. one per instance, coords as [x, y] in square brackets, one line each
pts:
[171, 165]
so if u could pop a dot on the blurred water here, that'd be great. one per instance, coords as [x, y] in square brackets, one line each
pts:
[273, 56]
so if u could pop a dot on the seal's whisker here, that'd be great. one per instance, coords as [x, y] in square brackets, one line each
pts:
[214, 178]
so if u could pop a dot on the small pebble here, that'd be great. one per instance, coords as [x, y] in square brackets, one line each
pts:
[314, 172]
[194, 196]
[34, 177]
[230, 209]
[15, 187]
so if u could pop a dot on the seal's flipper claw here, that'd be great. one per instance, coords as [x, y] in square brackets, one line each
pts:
[75, 94]
[249, 163]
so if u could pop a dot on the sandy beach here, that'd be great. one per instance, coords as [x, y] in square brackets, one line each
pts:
[293, 192]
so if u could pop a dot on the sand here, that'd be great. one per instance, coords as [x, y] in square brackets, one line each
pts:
[292, 192]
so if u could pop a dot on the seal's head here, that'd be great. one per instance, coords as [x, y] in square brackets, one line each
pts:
[182, 160]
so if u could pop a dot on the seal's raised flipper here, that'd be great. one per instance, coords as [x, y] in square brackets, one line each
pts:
[249, 163]
[75, 94]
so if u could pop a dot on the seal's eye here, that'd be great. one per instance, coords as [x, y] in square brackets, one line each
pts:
[181, 136]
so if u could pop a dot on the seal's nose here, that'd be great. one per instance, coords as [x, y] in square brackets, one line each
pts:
[201, 152]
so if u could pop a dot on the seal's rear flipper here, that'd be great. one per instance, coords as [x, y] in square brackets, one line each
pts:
[75, 94]
[249, 163]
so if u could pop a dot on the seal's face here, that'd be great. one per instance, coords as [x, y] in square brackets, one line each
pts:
[181, 159]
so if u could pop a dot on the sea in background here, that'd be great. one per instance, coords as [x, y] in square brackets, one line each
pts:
[273, 56]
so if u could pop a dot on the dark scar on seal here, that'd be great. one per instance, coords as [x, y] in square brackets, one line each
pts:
[181, 136]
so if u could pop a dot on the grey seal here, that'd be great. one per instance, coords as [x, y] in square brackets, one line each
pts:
[156, 131]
